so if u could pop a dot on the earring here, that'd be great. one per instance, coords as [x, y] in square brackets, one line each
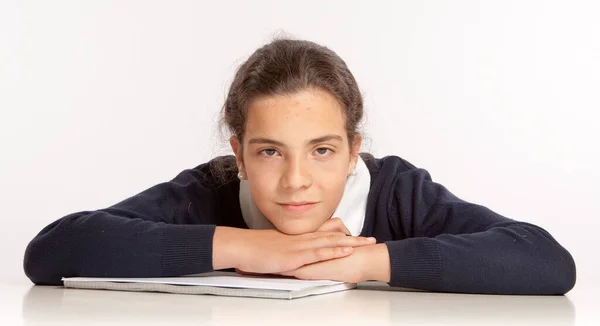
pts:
[241, 175]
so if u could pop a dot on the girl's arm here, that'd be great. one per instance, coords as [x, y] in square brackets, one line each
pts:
[446, 244]
[158, 232]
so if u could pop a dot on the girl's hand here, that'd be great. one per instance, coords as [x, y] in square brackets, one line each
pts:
[272, 252]
[334, 224]
[366, 263]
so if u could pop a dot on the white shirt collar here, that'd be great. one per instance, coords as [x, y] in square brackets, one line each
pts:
[351, 209]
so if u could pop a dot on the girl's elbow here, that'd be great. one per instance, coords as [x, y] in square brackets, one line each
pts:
[565, 271]
[555, 264]
[555, 274]
[40, 265]
[30, 265]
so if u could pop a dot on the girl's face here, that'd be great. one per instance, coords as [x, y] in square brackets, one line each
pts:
[296, 158]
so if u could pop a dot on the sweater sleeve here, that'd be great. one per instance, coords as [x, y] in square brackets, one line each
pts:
[451, 245]
[166, 230]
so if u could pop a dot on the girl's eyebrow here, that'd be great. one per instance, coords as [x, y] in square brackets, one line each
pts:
[326, 138]
[263, 140]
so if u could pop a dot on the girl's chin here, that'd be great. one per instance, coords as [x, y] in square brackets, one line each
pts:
[296, 227]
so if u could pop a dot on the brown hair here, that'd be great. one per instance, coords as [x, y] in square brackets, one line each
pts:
[282, 67]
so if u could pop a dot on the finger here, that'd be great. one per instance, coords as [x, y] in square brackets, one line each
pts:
[334, 224]
[241, 272]
[341, 226]
[326, 226]
[288, 273]
[318, 234]
[339, 241]
[314, 255]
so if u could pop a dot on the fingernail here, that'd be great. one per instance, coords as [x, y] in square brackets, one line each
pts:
[347, 249]
[371, 239]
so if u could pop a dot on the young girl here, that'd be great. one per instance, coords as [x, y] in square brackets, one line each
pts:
[297, 199]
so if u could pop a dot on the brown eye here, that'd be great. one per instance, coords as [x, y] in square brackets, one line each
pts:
[323, 151]
[268, 152]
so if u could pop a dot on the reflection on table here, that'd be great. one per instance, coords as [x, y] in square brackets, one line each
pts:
[371, 304]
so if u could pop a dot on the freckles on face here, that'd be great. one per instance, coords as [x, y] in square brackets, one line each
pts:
[296, 158]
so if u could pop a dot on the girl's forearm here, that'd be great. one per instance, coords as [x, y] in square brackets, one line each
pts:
[376, 260]
[226, 244]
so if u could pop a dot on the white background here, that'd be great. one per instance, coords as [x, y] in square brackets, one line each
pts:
[497, 99]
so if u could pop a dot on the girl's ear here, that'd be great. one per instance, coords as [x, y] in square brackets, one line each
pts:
[237, 150]
[354, 152]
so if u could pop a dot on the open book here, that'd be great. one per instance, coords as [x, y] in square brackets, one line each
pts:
[216, 283]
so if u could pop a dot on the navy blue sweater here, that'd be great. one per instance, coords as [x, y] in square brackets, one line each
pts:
[436, 241]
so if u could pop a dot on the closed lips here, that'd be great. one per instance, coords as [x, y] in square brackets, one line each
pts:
[299, 203]
[298, 207]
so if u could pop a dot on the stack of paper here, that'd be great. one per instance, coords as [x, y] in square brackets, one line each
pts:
[216, 283]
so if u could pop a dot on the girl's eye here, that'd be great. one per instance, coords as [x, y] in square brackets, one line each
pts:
[323, 151]
[268, 152]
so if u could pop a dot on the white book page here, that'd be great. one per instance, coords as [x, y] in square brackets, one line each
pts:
[230, 280]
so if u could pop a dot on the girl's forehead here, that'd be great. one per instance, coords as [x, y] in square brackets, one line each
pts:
[306, 111]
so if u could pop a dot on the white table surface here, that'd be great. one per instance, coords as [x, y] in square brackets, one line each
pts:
[371, 304]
